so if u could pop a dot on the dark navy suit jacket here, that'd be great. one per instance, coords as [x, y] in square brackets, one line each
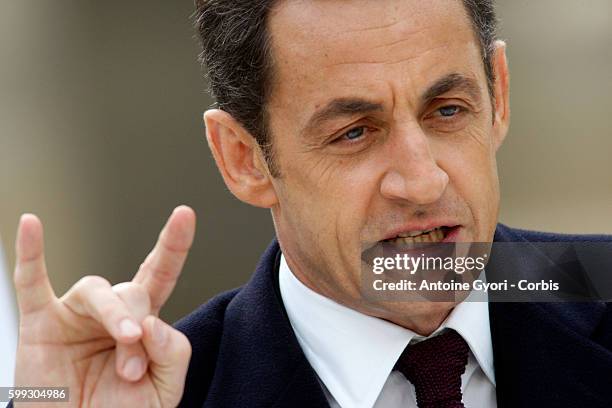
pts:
[245, 353]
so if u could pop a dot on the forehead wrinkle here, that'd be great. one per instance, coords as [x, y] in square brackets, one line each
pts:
[393, 62]
[398, 41]
[381, 27]
[405, 45]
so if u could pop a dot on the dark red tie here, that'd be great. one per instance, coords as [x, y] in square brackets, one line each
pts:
[434, 366]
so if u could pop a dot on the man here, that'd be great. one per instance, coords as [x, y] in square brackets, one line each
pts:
[355, 123]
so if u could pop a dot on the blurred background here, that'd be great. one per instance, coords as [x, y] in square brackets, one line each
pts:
[101, 135]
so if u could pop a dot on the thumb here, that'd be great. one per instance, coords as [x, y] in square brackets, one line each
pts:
[169, 351]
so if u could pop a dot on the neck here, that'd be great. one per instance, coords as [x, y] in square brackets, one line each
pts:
[424, 324]
[421, 317]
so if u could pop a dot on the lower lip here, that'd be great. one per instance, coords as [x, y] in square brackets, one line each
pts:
[452, 235]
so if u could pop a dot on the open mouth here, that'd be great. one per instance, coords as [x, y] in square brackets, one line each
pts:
[434, 235]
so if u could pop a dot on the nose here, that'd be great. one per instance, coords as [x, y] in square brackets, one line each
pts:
[413, 174]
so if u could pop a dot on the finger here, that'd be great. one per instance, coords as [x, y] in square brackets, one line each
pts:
[131, 359]
[92, 296]
[169, 352]
[32, 284]
[162, 267]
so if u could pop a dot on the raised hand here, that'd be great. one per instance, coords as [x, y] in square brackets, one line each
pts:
[105, 343]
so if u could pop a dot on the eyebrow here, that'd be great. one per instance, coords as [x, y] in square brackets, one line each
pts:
[341, 107]
[452, 82]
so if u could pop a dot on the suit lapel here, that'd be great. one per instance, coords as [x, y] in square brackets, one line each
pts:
[262, 363]
[544, 353]
[542, 362]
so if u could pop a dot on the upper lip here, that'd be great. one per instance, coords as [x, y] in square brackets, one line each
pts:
[426, 226]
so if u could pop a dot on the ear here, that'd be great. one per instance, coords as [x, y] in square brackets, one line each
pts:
[502, 94]
[239, 159]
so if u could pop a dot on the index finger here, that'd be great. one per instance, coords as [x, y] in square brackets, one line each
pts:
[162, 267]
[32, 284]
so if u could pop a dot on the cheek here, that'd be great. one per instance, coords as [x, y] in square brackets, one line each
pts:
[468, 156]
[469, 160]
[334, 196]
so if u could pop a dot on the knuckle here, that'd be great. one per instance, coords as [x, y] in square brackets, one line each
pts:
[92, 282]
[127, 288]
[133, 293]
[81, 297]
[162, 268]
[174, 248]
[164, 274]
[27, 280]
[121, 287]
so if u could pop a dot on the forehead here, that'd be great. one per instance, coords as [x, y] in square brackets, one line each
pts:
[325, 48]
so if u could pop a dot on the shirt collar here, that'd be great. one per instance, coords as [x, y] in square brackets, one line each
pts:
[353, 353]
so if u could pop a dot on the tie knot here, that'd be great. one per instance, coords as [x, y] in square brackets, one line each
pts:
[434, 366]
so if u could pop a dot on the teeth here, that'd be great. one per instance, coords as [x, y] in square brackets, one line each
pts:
[414, 233]
[433, 235]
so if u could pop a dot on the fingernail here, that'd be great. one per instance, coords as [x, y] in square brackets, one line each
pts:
[128, 328]
[160, 334]
[132, 370]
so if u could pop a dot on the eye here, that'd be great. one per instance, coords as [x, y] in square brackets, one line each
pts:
[448, 118]
[354, 133]
[449, 111]
[355, 139]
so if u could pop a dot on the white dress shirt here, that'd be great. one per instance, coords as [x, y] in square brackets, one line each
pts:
[8, 326]
[353, 354]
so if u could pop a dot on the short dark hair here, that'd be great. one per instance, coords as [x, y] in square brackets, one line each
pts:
[237, 54]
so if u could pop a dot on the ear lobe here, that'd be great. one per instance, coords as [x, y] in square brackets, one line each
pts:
[237, 156]
[502, 94]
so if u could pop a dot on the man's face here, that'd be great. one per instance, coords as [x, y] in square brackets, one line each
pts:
[382, 125]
